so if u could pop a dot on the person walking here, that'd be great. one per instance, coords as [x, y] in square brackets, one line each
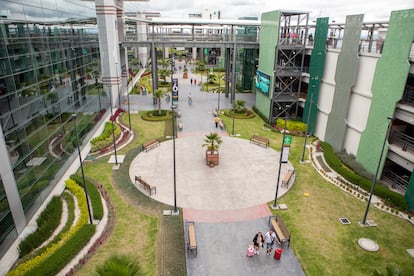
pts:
[216, 120]
[195, 82]
[191, 81]
[258, 242]
[269, 238]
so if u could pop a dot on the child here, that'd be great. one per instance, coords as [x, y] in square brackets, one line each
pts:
[250, 250]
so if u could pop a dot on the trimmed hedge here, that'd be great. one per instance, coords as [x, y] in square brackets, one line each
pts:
[94, 196]
[47, 222]
[150, 116]
[105, 139]
[61, 257]
[27, 267]
[381, 191]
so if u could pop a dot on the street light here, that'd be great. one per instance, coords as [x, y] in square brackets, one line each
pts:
[172, 76]
[81, 165]
[281, 155]
[117, 82]
[173, 107]
[129, 112]
[232, 126]
[307, 124]
[113, 129]
[374, 180]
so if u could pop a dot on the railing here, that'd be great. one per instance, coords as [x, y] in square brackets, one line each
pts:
[404, 141]
[408, 97]
[214, 37]
[399, 183]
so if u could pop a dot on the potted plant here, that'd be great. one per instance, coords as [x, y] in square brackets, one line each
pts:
[212, 142]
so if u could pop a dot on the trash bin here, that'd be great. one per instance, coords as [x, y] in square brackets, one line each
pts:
[278, 253]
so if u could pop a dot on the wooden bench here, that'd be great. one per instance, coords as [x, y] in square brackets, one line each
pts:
[146, 186]
[282, 233]
[286, 179]
[222, 124]
[191, 242]
[150, 144]
[260, 140]
[180, 125]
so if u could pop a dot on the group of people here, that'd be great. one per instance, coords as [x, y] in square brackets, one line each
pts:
[193, 81]
[259, 240]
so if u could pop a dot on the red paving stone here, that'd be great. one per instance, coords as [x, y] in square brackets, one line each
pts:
[215, 216]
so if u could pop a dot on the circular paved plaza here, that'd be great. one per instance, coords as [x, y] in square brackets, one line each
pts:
[245, 177]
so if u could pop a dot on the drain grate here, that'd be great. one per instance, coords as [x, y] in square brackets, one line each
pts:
[344, 221]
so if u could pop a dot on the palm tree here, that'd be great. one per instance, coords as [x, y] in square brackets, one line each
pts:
[213, 141]
[119, 266]
[164, 73]
[211, 78]
[158, 94]
[239, 106]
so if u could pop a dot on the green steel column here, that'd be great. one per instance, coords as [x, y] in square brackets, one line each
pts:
[269, 37]
[316, 68]
[409, 194]
[345, 77]
[387, 86]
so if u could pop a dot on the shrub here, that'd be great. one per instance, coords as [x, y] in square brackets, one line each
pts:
[94, 196]
[47, 222]
[381, 191]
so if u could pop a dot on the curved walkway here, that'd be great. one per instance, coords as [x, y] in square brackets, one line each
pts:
[245, 178]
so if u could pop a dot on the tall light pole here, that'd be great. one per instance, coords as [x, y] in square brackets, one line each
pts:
[172, 76]
[287, 108]
[113, 128]
[81, 165]
[129, 113]
[173, 107]
[307, 124]
[117, 82]
[374, 180]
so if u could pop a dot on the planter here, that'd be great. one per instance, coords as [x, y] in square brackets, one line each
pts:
[212, 157]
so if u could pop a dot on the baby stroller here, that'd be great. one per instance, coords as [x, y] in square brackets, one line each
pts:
[250, 250]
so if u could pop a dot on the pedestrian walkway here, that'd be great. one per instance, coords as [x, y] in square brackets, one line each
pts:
[228, 203]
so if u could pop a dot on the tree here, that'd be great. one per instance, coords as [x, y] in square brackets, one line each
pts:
[211, 78]
[213, 141]
[239, 106]
[164, 73]
[158, 94]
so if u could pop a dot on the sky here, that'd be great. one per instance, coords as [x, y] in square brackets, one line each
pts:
[337, 10]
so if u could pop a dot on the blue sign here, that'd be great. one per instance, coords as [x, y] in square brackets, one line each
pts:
[262, 82]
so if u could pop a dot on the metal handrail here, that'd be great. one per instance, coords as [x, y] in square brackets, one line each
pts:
[405, 141]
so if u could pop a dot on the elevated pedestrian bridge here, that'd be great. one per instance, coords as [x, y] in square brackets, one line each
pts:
[217, 33]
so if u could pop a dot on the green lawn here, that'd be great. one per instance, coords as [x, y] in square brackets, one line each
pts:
[321, 243]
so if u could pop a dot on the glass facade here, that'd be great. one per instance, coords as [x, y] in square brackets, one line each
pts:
[49, 69]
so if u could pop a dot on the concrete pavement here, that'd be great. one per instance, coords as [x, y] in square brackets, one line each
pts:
[227, 202]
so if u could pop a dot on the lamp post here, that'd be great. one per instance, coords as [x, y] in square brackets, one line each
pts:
[232, 126]
[81, 165]
[117, 82]
[307, 124]
[173, 107]
[374, 180]
[129, 113]
[281, 155]
[172, 76]
[113, 129]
